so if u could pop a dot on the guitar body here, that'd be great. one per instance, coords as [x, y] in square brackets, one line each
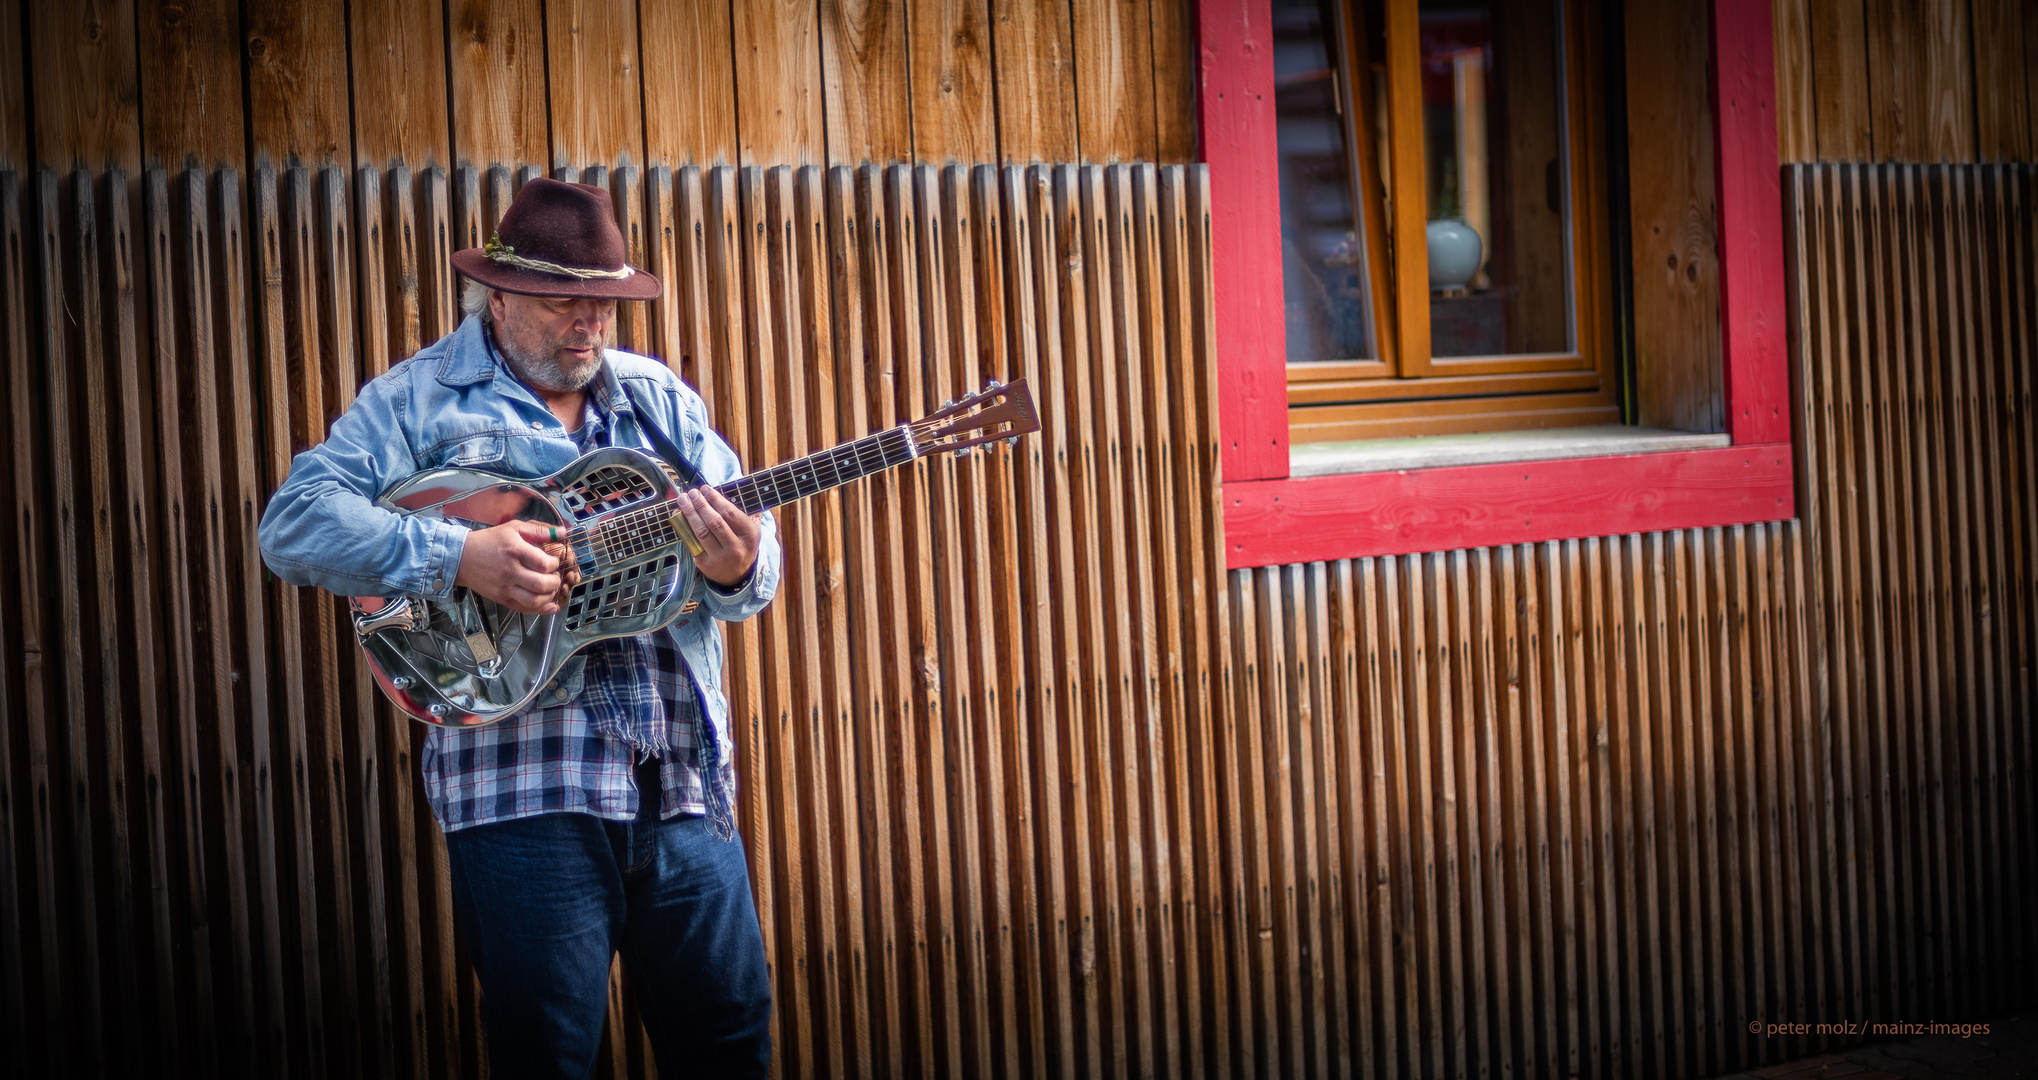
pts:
[463, 661]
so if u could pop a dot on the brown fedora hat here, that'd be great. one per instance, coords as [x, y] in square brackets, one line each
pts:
[558, 239]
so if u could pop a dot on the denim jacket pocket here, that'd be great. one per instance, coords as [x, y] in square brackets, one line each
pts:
[482, 450]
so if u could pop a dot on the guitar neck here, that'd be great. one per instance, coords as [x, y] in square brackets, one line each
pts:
[794, 480]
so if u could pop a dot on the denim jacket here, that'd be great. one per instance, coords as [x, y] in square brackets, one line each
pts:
[452, 404]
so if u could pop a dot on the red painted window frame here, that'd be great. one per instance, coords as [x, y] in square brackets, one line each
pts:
[1272, 518]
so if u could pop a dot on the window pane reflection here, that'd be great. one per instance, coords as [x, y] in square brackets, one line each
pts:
[1498, 192]
[1327, 296]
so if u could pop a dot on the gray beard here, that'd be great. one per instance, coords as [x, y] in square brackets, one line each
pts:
[545, 372]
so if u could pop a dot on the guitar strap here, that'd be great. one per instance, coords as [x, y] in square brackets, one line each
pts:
[660, 442]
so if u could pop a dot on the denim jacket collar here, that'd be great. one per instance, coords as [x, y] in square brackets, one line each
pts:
[471, 358]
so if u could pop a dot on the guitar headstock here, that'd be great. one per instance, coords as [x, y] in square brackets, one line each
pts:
[999, 411]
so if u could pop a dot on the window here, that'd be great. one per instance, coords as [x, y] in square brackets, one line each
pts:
[1442, 217]
[1275, 515]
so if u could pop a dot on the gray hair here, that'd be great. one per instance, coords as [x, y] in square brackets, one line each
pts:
[474, 300]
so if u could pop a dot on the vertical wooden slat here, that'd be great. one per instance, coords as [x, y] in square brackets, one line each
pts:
[85, 100]
[847, 990]
[965, 562]
[954, 116]
[496, 52]
[188, 347]
[775, 435]
[2002, 106]
[21, 635]
[1674, 264]
[1083, 646]
[191, 78]
[1844, 112]
[41, 647]
[689, 85]
[1035, 63]
[302, 967]
[219, 215]
[1113, 55]
[14, 149]
[1159, 519]
[778, 82]
[875, 990]
[67, 217]
[1796, 132]
[593, 81]
[397, 67]
[1026, 239]
[300, 109]
[867, 76]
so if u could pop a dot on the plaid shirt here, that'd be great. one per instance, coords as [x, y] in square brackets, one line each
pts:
[578, 755]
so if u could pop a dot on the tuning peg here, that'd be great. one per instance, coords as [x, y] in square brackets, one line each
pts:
[1012, 441]
[965, 451]
[949, 404]
[992, 384]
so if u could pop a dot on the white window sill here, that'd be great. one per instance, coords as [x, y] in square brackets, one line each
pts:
[1441, 451]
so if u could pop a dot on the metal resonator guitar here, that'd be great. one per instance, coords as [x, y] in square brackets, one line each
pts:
[464, 661]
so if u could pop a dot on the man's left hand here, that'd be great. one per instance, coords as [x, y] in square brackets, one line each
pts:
[728, 536]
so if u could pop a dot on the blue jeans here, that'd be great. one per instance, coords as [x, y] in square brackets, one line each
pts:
[546, 902]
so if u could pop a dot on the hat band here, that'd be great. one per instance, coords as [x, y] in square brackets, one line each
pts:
[500, 252]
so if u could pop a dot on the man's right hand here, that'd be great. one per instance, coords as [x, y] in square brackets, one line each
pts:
[507, 565]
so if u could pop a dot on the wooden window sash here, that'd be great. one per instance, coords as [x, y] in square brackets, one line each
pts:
[1400, 285]
[1441, 386]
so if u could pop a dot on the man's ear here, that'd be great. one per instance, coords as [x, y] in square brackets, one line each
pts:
[498, 305]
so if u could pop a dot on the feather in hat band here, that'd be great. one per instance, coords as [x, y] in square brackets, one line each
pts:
[500, 252]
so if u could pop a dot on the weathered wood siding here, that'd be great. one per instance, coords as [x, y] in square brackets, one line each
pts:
[1032, 787]
[574, 83]
[1904, 80]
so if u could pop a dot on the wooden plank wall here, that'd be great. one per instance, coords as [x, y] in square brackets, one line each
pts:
[1891, 80]
[975, 852]
[558, 84]
[1580, 808]
[1593, 807]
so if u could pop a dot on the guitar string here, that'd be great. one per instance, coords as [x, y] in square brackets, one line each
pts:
[870, 454]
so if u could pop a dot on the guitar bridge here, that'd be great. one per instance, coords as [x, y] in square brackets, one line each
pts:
[483, 649]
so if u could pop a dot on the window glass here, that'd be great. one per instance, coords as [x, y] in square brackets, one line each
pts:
[1498, 191]
[1328, 295]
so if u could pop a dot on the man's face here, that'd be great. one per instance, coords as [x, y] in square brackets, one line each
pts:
[554, 343]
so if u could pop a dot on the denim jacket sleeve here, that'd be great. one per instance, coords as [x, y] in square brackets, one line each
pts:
[323, 528]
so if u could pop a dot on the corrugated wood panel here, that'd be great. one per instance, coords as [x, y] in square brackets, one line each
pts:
[398, 70]
[1583, 806]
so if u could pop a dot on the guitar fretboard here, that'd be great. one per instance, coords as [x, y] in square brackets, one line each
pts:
[815, 473]
[632, 533]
